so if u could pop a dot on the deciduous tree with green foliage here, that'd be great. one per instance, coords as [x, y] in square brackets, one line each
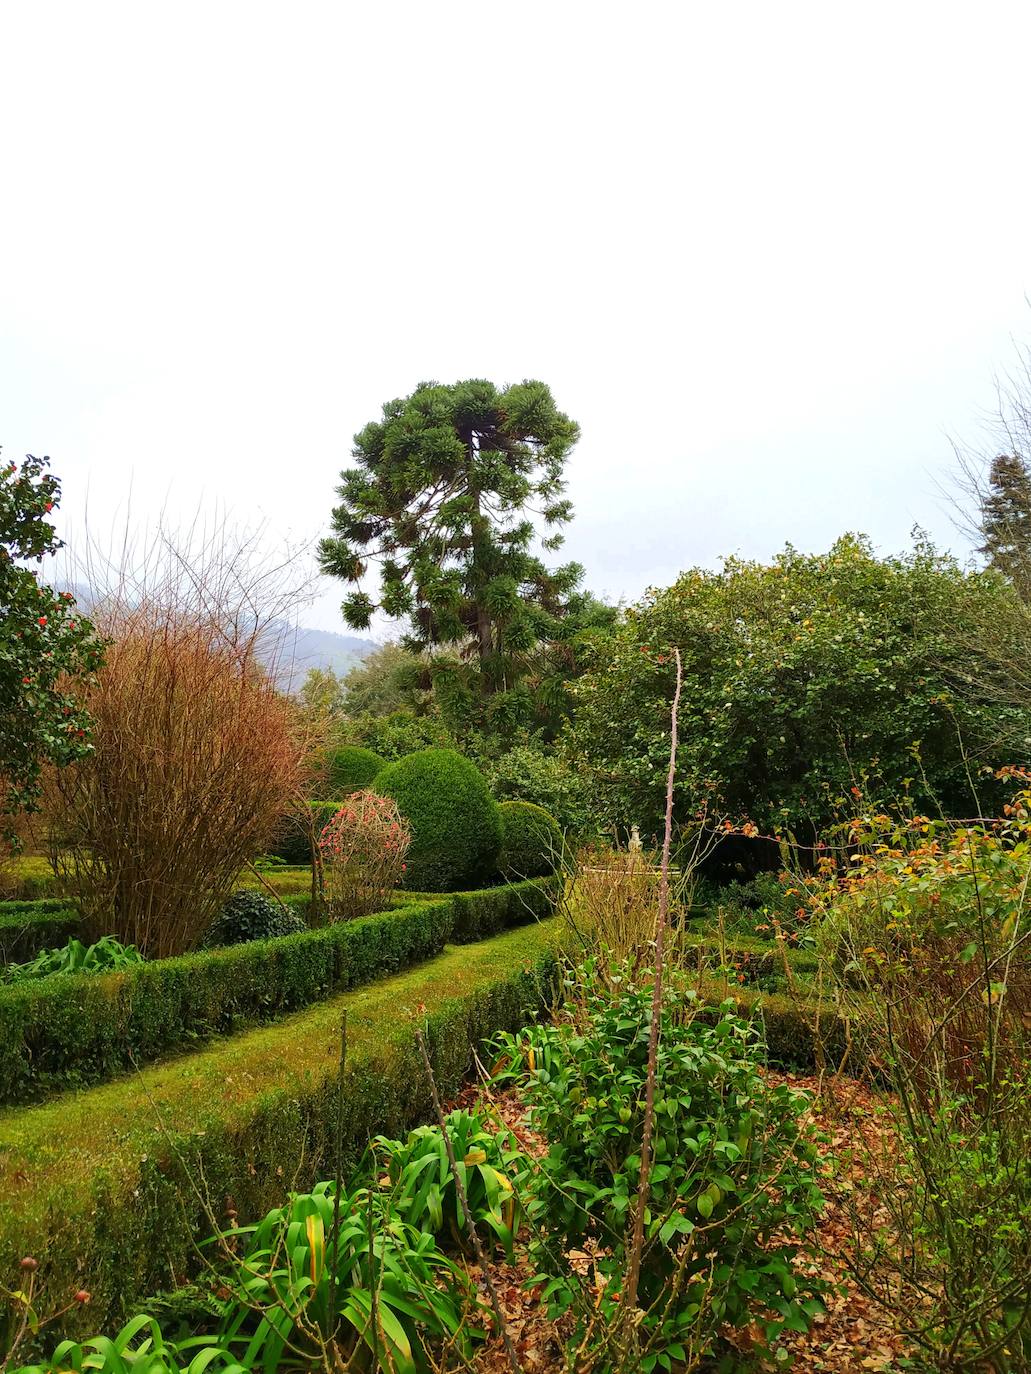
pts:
[441, 499]
[44, 639]
[803, 678]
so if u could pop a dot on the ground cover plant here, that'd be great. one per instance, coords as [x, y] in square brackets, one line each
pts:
[107, 955]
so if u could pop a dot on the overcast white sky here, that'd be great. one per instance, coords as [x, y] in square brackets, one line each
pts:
[769, 256]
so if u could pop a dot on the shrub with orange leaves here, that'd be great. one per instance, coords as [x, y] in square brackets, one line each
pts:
[933, 918]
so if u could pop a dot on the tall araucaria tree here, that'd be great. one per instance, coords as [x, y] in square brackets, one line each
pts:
[442, 499]
[44, 641]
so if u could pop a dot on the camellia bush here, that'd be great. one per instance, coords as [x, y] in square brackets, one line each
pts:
[801, 677]
[363, 852]
[45, 641]
[733, 1184]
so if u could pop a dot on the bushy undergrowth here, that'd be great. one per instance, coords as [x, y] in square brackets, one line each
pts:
[928, 938]
[364, 1276]
[732, 1182]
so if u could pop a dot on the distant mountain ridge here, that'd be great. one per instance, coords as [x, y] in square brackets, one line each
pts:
[295, 650]
[291, 650]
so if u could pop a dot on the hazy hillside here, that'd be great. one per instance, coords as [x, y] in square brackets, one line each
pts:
[298, 649]
[292, 649]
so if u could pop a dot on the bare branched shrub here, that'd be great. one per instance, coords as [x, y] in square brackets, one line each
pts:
[927, 942]
[197, 753]
[613, 900]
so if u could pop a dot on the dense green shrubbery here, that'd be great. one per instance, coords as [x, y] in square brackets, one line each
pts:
[531, 842]
[400, 733]
[349, 768]
[800, 676]
[530, 773]
[732, 1186]
[251, 916]
[456, 833]
[72, 1031]
[479, 915]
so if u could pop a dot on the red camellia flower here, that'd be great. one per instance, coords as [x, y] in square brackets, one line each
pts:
[42, 620]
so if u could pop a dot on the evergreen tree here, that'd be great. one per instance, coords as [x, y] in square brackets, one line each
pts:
[1006, 521]
[441, 499]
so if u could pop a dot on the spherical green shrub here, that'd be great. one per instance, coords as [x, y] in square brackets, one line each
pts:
[456, 832]
[251, 916]
[350, 768]
[531, 842]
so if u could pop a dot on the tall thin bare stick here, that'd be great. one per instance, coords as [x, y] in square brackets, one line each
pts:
[644, 1176]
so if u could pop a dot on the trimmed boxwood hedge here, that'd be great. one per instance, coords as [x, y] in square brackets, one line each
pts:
[112, 1188]
[28, 927]
[78, 1029]
[531, 842]
[456, 833]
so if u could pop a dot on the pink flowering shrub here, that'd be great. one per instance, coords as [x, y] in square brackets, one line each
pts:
[363, 852]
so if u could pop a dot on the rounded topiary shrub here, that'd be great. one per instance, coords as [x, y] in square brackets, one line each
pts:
[531, 842]
[456, 832]
[251, 916]
[350, 768]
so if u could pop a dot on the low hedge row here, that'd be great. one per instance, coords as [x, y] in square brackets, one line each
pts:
[111, 1189]
[74, 1030]
[27, 927]
[802, 1031]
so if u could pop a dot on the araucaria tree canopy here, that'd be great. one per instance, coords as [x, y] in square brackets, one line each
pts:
[442, 499]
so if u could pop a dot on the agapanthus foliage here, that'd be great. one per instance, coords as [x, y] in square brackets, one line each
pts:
[363, 852]
[44, 640]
